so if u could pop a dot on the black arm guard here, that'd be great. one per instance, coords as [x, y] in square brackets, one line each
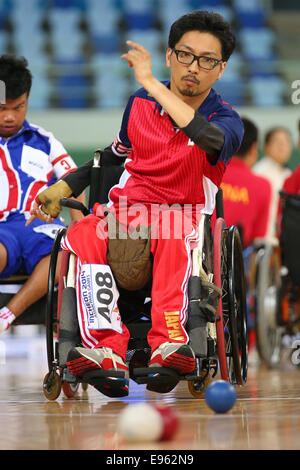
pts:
[80, 179]
[208, 136]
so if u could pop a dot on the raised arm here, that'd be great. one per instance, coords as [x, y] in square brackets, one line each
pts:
[207, 136]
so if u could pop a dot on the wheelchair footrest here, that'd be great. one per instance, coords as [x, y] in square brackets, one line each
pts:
[67, 376]
[111, 383]
[158, 379]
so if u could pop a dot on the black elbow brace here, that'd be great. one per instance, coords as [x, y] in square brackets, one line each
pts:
[208, 136]
[108, 158]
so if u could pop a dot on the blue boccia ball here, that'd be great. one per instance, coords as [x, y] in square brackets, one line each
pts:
[220, 396]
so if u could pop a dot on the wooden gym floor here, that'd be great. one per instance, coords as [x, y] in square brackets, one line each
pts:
[265, 416]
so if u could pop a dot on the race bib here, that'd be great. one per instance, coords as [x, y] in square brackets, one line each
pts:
[99, 295]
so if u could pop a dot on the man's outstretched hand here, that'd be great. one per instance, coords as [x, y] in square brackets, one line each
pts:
[47, 206]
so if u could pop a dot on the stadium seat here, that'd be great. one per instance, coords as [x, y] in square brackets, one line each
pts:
[66, 21]
[217, 7]
[234, 67]
[250, 14]
[170, 12]
[267, 91]
[118, 99]
[66, 4]
[71, 83]
[66, 37]
[67, 47]
[102, 17]
[31, 50]
[139, 15]
[39, 95]
[106, 43]
[110, 74]
[149, 38]
[257, 43]
[231, 90]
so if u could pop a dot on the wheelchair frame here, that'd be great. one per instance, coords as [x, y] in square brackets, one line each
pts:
[221, 256]
[277, 298]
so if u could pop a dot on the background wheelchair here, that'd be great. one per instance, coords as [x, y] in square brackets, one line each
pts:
[275, 284]
[217, 257]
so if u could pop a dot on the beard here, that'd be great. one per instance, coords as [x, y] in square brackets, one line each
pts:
[190, 91]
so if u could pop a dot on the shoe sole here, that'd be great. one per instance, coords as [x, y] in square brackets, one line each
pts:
[111, 383]
[110, 386]
[158, 379]
[182, 361]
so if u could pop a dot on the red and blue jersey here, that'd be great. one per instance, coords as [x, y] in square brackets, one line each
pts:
[163, 165]
[29, 161]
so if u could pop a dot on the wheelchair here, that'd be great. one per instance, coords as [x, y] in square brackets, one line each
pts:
[275, 284]
[217, 257]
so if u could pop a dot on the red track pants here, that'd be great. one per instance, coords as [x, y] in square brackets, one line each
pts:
[171, 271]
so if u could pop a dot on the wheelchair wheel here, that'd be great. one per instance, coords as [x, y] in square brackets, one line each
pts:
[219, 264]
[267, 305]
[50, 313]
[70, 389]
[52, 385]
[197, 387]
[237, 305]
[231, 323]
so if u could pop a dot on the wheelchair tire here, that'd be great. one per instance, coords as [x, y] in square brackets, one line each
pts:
[52, 385]
[231, 322]
[51, 305]
[219, 249]
[237, 305]
[70, 389]
[267, 303]
[197, 387]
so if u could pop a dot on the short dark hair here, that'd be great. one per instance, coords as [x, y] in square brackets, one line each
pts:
[16, 76]
[272, 131]
[250, 137]
[206, 22]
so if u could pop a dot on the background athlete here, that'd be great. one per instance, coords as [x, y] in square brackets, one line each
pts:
[30, 160]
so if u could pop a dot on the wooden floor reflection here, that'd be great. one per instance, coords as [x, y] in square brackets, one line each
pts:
[266, 414]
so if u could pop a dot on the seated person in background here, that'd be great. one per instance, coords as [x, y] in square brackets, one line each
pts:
[247, 196]
[247, 201]
[289, 224]
[177, 137]
[30, 160]
[291, 184]
[278, 149]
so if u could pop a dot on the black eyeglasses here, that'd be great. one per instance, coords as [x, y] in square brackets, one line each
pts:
[205, 62]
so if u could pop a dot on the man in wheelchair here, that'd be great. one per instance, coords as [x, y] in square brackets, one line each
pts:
[176, 139]
[289, 223]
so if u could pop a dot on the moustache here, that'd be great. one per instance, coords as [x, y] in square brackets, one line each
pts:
[191, 77]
